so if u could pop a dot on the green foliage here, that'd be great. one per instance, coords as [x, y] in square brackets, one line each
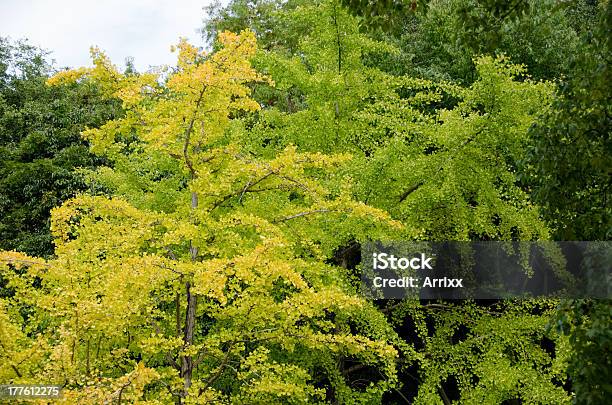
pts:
[206, 251]
[569, 166]
[441, 42]
[441, 158]
[40, 145]
[448, 161]
[452, 174]
[20, 60]
[570, 161]
[588, 325]
[485, 353]
[218, 292]
[446, 172]
[385, 15]
[266, 18]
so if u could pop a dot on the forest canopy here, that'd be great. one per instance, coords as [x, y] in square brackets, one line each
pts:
[192, 235]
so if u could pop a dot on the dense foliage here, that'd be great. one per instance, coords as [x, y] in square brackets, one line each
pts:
[40, 145]
[570, 167]
[206, 246]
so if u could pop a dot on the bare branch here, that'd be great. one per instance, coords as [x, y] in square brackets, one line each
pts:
[302, 214]
[188, 133]
[169, 268]
[242, 192]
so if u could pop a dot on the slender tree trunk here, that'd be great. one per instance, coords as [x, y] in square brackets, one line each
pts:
[187, 364]
[192, 302]
[190, 315]
[177, 302]
[87, 364]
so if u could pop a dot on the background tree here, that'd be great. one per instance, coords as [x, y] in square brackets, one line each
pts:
[438, 39]
[569, 167]
[40, 145]
[570, 154]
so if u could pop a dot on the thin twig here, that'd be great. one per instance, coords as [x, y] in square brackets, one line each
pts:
[302, 214]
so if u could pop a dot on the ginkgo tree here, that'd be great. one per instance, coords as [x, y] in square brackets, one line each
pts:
[193, 283]
[443, 159]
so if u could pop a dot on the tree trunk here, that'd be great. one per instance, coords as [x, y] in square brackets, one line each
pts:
[190, 314]
[187, 363]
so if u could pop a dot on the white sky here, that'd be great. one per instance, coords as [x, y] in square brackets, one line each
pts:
[143, 29]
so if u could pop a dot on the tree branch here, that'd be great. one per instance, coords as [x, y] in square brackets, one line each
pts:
[302, 214]
[188, 133]
[242, 191]
[410, 190]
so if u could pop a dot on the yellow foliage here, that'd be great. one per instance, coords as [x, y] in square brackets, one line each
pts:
[173, 302]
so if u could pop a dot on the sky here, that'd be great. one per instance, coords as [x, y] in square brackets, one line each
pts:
[142, 29]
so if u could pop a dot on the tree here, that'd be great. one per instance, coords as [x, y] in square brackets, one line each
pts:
[40, 146]
[263, 17]
[439, 39]
[568, 166]
[442, 40]
[442, 159]
[439, 157]
[213, 258]
[569, 162]
[193, 284]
